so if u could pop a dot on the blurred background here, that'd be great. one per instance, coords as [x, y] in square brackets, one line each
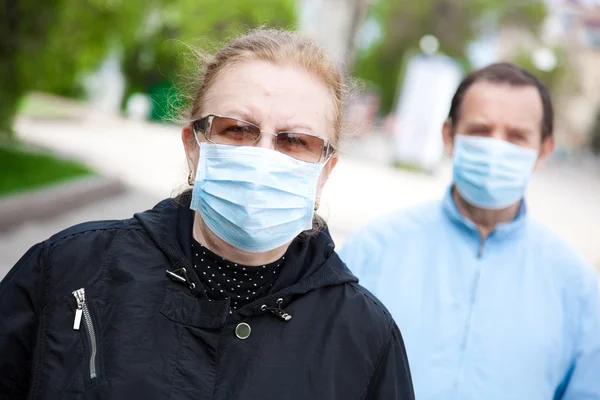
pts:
[89, 90]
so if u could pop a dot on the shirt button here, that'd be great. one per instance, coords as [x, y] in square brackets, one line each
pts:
[242, 330]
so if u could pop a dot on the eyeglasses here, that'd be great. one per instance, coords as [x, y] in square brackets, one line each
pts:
[231, 131]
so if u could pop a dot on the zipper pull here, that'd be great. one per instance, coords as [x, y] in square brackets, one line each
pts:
[80, 298]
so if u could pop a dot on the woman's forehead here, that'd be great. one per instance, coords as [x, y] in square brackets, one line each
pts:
[272, 95]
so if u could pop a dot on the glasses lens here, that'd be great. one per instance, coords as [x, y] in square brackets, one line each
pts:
[301, 146]
[233, 132]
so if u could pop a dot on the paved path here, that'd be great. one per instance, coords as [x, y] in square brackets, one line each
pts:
[150, 159]
[15, 243]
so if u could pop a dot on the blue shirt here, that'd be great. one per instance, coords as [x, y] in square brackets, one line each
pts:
[514, 317]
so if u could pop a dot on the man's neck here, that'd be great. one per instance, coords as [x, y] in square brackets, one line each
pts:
[485, 220]
[207, 238]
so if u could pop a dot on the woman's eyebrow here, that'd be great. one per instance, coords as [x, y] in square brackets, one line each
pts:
[295, 127]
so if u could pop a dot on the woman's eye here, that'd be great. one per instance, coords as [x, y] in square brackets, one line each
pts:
[296, 141]
[236, 129]
[238, 133]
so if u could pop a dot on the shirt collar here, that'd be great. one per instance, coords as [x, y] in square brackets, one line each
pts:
[504, 229]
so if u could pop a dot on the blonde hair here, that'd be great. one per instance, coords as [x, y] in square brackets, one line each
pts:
[277, 47]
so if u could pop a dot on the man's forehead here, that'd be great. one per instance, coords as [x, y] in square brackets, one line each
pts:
[491, 100]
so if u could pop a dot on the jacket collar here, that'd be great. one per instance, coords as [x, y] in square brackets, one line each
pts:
[310, 261]
[506, 229]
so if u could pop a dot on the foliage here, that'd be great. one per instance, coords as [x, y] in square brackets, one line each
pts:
[454, 22]
[47, 45]
[24, 170]
[556, 78]
[157, 60]
[22, 23]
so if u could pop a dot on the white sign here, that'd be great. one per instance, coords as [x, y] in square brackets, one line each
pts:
[423, 106]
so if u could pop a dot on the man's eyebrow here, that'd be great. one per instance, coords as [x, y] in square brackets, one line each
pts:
[477, 124]
[520, 129]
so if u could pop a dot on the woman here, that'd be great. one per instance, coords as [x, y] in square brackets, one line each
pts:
[228, 292]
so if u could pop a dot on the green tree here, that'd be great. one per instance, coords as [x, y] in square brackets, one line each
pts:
[157, 60]
[557, 78]
[454, 22]
[48, 45]
[21, 24]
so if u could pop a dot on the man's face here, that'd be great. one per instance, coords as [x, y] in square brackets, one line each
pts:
[503, 112]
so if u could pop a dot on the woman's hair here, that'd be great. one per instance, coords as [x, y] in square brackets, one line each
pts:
[278, 47]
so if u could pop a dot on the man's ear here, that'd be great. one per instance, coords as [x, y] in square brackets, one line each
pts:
[547, 148]
[448, 137]
[191, 147]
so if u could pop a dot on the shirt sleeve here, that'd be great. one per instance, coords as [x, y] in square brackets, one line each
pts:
[21, 292]
[583, 382]
[392, 379]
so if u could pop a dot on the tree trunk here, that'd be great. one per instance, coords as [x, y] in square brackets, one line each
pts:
[10, 95]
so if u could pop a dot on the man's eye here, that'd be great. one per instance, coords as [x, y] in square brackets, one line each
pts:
[479, 131]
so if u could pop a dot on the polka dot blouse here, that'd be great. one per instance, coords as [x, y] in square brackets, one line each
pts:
[223, 279]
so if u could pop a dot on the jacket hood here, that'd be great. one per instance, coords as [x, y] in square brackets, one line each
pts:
[310, 261]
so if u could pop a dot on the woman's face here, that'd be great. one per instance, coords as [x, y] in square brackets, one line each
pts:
[276, 98]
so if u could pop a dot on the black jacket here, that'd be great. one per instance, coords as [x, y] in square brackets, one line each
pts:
[145, 335]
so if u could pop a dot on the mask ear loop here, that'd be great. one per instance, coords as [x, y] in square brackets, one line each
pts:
[328, 153]
[202, 126]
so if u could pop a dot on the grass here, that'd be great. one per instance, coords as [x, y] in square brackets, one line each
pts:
[407, 166]
[43, 106]
[22, 170]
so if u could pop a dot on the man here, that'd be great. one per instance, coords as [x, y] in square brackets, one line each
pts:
[491, 304]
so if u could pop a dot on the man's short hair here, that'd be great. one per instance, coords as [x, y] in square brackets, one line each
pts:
[510, 74]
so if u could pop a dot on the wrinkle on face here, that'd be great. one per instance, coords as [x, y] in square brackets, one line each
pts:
[276, 98]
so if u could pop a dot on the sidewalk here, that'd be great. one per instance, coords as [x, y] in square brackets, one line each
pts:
[150, 159]
[15, 243]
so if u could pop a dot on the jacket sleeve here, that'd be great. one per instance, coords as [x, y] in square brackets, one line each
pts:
[392, 380]
[21, 293]
[583, 381]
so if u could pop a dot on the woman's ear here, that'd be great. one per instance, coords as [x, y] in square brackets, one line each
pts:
[191, 147]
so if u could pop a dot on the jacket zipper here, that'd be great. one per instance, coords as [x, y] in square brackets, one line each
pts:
[481, 247]
[473, 300]
[82, 308]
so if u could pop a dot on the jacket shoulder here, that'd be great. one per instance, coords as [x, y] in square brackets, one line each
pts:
[373, 302]
[558, 252]
[368, 311]
[94, 227]
[79, 253]
[391, 231]
[405, 221]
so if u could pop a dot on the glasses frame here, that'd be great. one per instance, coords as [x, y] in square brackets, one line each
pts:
[204, 125]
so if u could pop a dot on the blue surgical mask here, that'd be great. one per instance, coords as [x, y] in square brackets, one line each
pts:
[253, 198]
[491, 173]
